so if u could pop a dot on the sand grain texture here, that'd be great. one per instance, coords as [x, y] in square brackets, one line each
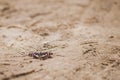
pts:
[84, 36]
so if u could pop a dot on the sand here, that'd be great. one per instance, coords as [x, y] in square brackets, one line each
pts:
[83, 35]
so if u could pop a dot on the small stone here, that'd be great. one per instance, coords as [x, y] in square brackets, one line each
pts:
[111, 36]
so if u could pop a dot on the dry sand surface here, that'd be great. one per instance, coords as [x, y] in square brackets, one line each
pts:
[83, 35]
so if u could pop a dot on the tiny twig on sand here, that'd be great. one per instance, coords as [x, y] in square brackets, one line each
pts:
[18, 75]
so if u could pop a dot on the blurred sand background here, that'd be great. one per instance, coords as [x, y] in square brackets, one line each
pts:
[84, 36]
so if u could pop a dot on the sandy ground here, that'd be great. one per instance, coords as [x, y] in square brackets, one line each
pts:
[83, 35]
